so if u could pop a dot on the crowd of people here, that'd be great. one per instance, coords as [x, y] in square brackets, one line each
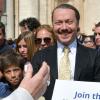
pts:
[91, 41]
[41, 48]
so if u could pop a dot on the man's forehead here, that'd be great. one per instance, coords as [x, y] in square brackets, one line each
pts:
[12, 67]
[64, 13]
[64, 9]
[97, 29]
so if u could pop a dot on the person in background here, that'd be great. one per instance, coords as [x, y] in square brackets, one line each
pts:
[29, 24]
[11, 43]
[26, 89]
[97, 36]
[32, 24]
[89, 41]
[65, 21]
[12, 67]
[3, 42]
[25, 45]
[23, 26]
[80, 38]
[44, 36]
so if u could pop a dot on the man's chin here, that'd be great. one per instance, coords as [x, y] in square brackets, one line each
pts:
[15, 83]
[66, 42]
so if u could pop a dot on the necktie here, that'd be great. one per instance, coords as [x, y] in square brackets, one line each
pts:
[64, 70]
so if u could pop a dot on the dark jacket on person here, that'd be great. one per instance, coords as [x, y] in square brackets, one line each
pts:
[87, 65]
[4, 90]
[4, 47]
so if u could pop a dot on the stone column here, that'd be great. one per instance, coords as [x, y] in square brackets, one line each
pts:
[17, 32]
[79, 4]
[35, 8]
[28, 8]
[49, 10]
[92, 14]
[10, 19]
[43, 11]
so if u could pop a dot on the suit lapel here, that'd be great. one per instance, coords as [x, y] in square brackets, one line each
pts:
[52, 60]
[81, 61]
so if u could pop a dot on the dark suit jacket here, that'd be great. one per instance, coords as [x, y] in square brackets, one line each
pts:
[5, 47]
[87, 67]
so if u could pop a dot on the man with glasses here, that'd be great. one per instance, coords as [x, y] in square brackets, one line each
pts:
[84, 63]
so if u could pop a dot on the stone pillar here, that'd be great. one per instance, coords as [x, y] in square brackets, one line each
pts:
[10, 19]
[16, 18]
[51, 5]
[49, 10]
[43, 11]
[28, 8]
[35, 4]
[92, 14]
[79, 4]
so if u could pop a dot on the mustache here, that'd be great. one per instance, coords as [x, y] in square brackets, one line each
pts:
[64, 31]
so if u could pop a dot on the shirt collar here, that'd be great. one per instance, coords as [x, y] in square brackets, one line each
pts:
[72, 46]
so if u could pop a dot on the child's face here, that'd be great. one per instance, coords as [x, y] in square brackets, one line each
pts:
[13, 75]
[1, 75]
[22, 48]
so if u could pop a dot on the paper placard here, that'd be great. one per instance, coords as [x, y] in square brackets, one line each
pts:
[76, 90]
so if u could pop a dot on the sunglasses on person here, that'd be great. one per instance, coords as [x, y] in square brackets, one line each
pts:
[47, 40]
[87, 41]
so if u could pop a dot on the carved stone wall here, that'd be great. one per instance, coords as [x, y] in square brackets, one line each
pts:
[41, 9]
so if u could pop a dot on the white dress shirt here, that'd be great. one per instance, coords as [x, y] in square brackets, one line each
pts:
[72, 55]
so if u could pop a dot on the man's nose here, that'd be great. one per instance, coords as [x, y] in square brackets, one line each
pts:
[12, 74]
[64, 26]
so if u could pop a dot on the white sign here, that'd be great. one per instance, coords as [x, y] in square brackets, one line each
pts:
[76, 90]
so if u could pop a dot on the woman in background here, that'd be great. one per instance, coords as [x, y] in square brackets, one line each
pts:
[44, 36]
[25, 45]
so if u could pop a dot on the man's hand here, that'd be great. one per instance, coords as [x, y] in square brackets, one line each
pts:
[36, 85]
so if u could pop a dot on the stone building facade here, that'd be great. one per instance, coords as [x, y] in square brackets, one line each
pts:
[15, 10]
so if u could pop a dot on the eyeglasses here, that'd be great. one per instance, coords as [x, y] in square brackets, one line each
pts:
[87, 42]
[47, 40]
